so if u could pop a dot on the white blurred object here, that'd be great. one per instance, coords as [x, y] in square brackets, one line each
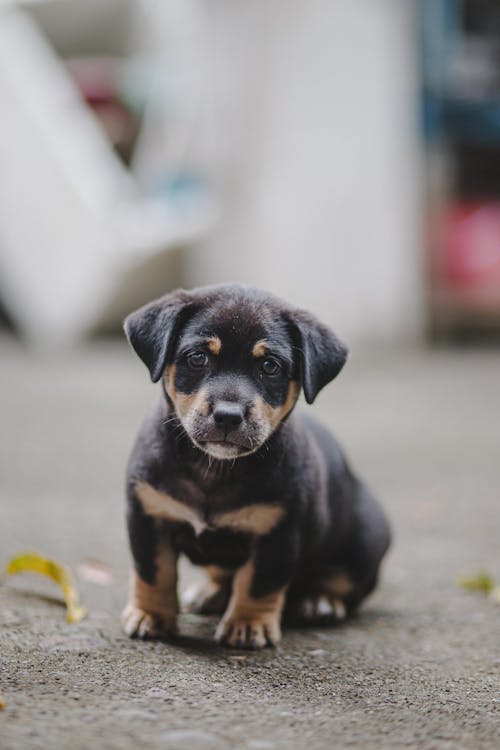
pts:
[73, 224]
[317, 159]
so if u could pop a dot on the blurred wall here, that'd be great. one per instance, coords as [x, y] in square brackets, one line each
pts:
[312, 137]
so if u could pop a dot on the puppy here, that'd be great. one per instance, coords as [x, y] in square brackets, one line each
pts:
[224, 472]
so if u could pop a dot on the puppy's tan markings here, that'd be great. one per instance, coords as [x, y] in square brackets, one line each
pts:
[272, 416]
[209, 597]
[163, 506]
[214, 345]
[251, 622]
[291, 398]
[260, 348]
[329, 601]
[187, 405]
[253, 519]
[152, 609]
[183, 401]
[340, 584]
[169, 377]
[217, 574]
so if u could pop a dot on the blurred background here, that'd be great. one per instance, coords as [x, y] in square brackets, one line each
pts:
[345, 155]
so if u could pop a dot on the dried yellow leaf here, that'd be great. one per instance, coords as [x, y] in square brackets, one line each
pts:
[480, 582]
[34, 563]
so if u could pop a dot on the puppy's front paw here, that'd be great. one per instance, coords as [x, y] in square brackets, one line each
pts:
[246, 632]
[147, 625]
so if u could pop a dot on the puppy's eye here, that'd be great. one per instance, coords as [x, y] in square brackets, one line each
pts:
[197, 360]
[270, 367]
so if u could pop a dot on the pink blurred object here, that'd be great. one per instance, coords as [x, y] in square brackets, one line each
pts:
[96, 77]
[95, 571]
[471, 245]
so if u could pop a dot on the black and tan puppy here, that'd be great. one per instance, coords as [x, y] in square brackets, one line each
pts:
[225, 473]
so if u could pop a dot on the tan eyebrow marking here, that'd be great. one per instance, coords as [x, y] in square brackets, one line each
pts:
[260, 348]
[214, 344]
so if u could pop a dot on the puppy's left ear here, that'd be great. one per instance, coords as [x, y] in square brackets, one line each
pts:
[152, 329]
[322, 354]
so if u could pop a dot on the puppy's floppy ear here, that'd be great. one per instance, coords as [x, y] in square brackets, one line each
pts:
[322, 354]
[151, 330]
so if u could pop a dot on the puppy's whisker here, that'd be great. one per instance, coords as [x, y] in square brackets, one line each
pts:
[209, 466]
[170, 418]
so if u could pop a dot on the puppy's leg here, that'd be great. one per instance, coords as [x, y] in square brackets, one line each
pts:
[210, 597]
[321, 600]
[253, 616]
[250, 621]
[369, 541]
[152, 608]
[334, 592]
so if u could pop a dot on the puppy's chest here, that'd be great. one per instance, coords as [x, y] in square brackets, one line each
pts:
[256, 518]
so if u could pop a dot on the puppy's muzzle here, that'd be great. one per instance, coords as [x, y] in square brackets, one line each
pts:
[226, 430]
[227, 424]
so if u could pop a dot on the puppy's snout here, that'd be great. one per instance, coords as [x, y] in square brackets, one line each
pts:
[227, 415]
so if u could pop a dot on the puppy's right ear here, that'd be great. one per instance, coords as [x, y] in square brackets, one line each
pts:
[152, 329]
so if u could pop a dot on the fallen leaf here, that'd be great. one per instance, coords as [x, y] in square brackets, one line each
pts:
[31, 562]
[480, 582]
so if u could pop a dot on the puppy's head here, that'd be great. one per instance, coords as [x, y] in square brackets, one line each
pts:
[233, 360]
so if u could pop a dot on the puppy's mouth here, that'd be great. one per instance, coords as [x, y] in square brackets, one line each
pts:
[225, 447]
[222, 448]
[224, 444]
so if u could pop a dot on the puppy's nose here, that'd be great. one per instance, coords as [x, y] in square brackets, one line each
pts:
[228, 415]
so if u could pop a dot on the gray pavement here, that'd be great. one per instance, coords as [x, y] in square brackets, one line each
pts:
[418, 668]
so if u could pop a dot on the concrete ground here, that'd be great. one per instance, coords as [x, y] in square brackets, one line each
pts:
[418, 668]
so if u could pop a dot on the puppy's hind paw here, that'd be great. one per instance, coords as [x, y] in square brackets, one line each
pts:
[205, 599]
[147, 625]
[318, 610]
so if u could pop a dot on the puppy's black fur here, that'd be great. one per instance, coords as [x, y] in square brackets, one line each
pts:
[225, 472]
